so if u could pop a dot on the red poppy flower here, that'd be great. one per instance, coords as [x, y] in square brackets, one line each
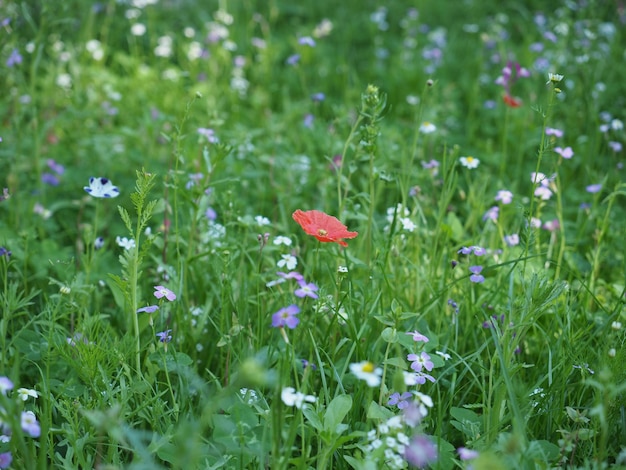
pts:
[324, 227]
[512, 101]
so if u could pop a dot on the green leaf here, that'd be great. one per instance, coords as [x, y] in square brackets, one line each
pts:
[336, 411]
[376, 411]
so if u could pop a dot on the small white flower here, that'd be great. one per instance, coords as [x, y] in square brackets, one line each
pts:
[289, 261]
[444, 355]
[24, 393]
[469, 162]
[262, 220]
[290, 397]
[281, 240]
[342, 269]
[365, 370]
[125, 243]
[427, 128]
[616, 325]
[101, 187]
[554, 78]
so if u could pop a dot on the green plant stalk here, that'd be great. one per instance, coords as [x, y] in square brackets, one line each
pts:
[542, 149]
[340, 197]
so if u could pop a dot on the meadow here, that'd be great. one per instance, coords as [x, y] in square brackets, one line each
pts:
[349, 235]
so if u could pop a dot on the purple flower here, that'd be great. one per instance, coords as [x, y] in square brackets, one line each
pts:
[417, 336]
[293, 59]
[101, 187]
[306, 290]
[554, 132]
[615, 146]
[465, 250]
[476, 276]
[492, 214]
[5, 385]
[30, 425]
[566, 152]
[50, 179]
[164, 336]
[160, 292]
[5, 460]
[308, 120]
[286, 317]
[421, 361]
[318, 97]
[400, 400]
[148, 309]
[210, 214]
[504, 196]
[306, 41]
[209, 134]
[4, 252]
[421, 451]
[466, 454]
[54, 166]
[594, 188]
[306, 364]
[478, 250]
[14, 59]
[511, 240]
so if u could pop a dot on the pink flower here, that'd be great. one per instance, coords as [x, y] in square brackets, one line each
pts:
[160, 292]
[566, 152]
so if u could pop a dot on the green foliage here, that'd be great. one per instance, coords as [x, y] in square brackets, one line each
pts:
[216, 124]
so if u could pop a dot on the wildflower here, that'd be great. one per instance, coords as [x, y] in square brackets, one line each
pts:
[164, 336]
[616, 325]
[466, 454]
[5, 385]
[29, 424]
[554, 132]
[209, 134]
[318, 97]
[365, 370]
[566, 152]
[511, 101]
[427, 128]
[49, 178]
[476, 276]
[492, 214]
[594, 188]
[551, 225]
[342, 269]
[98, 243]
[444, 356]
[5, 460]
[504, 196]
[306, 364]
[261, 221]
[5, 252]
[469, 162]
[101, 187]
[24, 393]
[286, 317]
[148, 309]
[400, 400]
[160, 292]
[290, 397]
[478, 250]
[288, 261]
[554, 78]
[306, 290]
[293, 59]
[421, 361]
[535, 222]
[416, 378]
[543, 192]
[511, 240]
[615, 146]
[306, 41]
[125, 243]
[417, 336]
[14, 59]
[422, 451]
[281, 240]
[324, 227]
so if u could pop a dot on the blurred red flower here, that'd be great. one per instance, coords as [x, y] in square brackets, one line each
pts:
[512, 101]
[324, 227]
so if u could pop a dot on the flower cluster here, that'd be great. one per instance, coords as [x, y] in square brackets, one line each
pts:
[510, 74]
[160, 292]
[28, 420]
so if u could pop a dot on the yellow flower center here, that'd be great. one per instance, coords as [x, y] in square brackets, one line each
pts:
[368, 367]
[469, 159]
[321, 232]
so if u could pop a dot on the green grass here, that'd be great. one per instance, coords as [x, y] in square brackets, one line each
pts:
[527, 364]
